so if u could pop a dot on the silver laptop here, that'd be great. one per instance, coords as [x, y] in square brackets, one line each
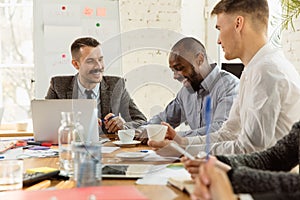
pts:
[46, 117]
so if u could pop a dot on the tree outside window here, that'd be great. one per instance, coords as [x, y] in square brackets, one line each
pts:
[16, 58]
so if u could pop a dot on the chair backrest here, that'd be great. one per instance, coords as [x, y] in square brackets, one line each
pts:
[234, 68]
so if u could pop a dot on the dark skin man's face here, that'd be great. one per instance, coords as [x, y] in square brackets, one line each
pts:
[185, 72]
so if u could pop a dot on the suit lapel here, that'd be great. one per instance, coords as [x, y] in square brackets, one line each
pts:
[72, 92]
[105, 101]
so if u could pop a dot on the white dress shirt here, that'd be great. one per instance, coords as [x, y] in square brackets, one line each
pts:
[81, 91]
[267, 106]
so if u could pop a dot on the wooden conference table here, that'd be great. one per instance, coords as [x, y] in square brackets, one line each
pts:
[164, 192]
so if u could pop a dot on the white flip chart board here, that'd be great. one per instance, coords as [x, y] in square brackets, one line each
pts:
[57, 23]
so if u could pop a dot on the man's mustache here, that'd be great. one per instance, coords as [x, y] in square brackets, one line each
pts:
[96, 71]
[180, 78]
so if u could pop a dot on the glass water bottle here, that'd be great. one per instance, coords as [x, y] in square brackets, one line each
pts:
[70, 131]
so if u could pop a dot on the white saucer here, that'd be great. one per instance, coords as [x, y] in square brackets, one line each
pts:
[133, 142]
[131, 156]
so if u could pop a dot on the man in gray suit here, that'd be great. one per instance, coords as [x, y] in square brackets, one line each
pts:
[116, 109]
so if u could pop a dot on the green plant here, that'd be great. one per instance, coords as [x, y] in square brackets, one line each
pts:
[290, 11]
[283, 19]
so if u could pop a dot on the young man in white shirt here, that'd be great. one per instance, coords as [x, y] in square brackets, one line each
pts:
[268, 102]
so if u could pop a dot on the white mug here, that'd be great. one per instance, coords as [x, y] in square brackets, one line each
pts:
[156, 132]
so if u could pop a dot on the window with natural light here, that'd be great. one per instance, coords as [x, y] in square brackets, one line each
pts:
[16, 59]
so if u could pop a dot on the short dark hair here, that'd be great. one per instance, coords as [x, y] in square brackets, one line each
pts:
[81, 42]
[189, 46]
[258, 10]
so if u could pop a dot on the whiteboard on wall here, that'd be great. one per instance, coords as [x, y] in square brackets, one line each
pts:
[57, 23]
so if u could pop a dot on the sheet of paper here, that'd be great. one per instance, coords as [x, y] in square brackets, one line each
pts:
[12, 154]
[39, 153]
[109, 149]
[159, 175]
[153, 156]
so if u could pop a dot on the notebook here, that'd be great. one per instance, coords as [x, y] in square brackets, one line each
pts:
[46, 117]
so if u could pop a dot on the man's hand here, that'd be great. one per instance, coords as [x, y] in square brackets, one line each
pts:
[212, 183]
[163, 148]
[171, 133]
[141, 134]
[158, 144]
[192, 166]
[113, 123]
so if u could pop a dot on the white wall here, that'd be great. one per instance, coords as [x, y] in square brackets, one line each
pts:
[148, 31]
[291, 44]
[171, 19]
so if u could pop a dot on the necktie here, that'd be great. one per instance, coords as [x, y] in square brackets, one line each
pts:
[88, 93]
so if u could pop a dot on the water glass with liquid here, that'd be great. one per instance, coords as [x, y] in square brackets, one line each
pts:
[11, 174]
[87, 164]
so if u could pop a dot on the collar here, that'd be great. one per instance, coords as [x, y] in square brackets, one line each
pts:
[82, 88]
[261, 53]
[209, 81]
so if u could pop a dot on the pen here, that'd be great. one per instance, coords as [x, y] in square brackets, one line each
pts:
[103, 120]
[182, 151]
[2, 157]
[45, 144]
[207, 121]
[144, 151]
[39, 148]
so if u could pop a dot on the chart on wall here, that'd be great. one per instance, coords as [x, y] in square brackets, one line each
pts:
[57, 23]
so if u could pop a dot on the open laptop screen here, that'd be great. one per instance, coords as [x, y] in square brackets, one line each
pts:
[46, 117]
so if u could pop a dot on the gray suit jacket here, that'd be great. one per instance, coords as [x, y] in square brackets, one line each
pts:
[114, 98]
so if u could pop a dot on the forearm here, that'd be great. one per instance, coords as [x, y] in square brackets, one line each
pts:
[281, 157]
[134, 124]
[247, 180]
[276, 196]
[215, 137]
[132, 115]
[215, 126]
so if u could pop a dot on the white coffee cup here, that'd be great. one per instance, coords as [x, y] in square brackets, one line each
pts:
[156, 132]
[21, 126]
[126, 136]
